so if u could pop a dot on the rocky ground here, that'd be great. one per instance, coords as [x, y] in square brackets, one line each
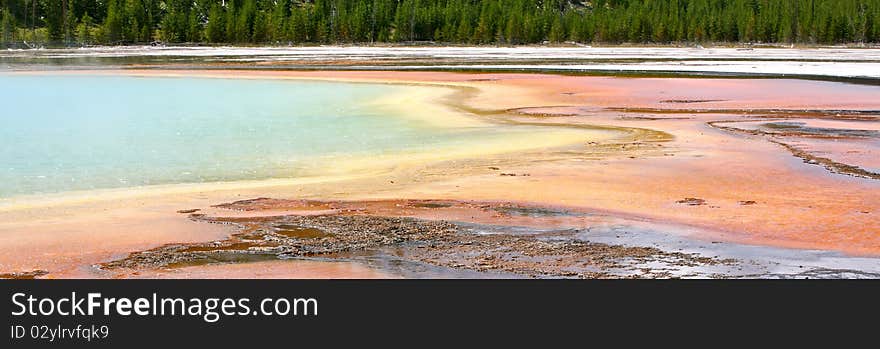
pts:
[460, 245]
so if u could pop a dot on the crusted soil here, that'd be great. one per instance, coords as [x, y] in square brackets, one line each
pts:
[458, 245]
[24, 275]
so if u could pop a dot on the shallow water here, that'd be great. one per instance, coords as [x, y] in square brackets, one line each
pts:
[77, 132]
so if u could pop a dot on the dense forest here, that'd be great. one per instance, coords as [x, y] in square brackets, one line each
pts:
[283, 22]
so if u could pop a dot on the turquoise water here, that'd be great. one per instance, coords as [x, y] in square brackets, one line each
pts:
[61, 133]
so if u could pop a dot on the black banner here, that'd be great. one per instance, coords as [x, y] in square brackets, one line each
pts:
[438, 311]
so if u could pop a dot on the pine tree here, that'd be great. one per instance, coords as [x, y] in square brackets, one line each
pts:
[276, 27]
[113, 28]
[84, 28]
[215, 30]
[7, 27]
[244, 22]
[454, 21]
[557, 30]
[54, 18]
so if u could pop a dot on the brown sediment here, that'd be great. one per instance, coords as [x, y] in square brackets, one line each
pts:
[432, 204]
[692, 201]
[689, 101]
[536, 253]
[24, 275]
[269, 203]
[795, 129]
[856, 115]
[654, 118]
[536, 111]
[264, 269]
[300, 232]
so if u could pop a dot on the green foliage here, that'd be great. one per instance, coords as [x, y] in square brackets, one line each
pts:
[7, 27]
[450, 21]
[53, 11]
[215, 30]
[113, 28]
[84, 29]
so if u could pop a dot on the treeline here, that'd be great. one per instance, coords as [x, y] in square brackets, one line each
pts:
[75, 22]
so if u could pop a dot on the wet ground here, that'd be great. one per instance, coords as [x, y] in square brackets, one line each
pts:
[840, 144]
[855, 64]
[713, 178]
[456, 239]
